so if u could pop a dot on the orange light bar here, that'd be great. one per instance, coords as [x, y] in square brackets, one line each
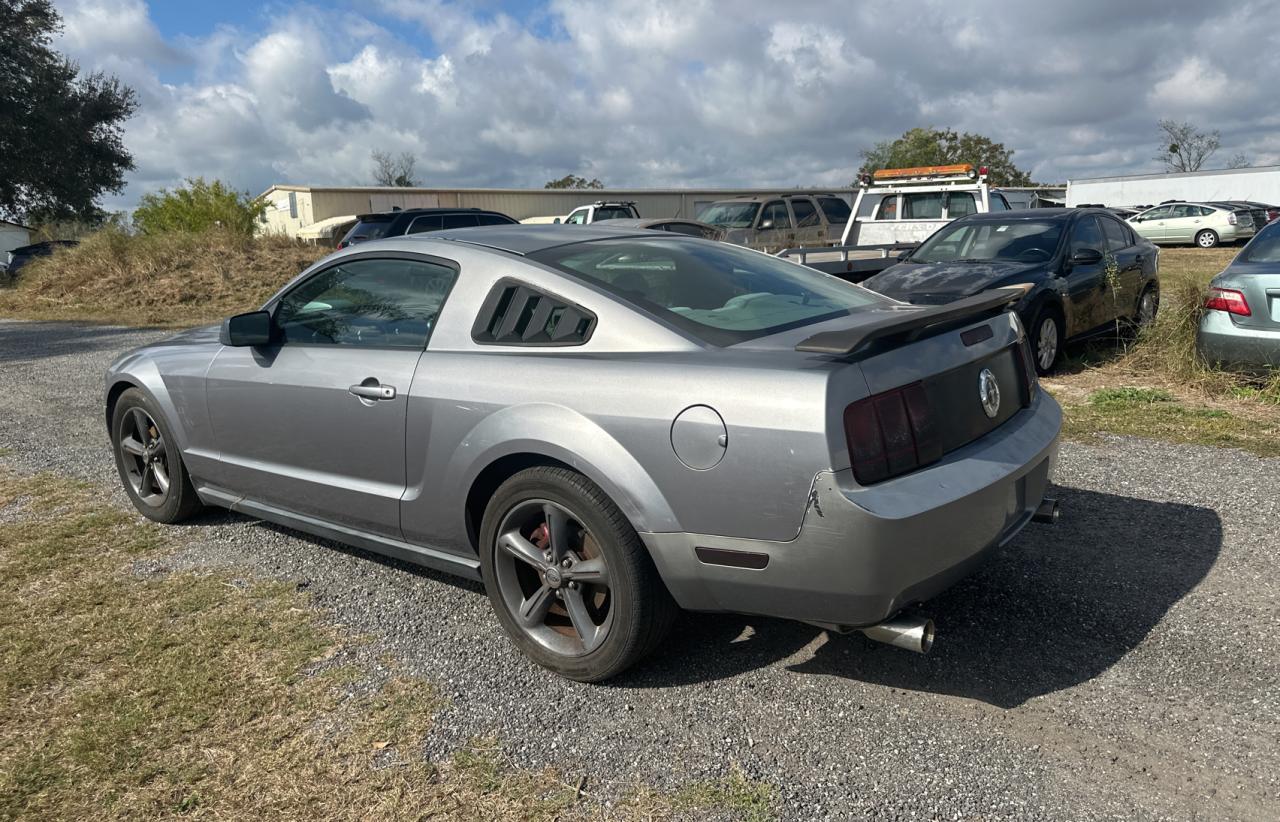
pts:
[923, 171]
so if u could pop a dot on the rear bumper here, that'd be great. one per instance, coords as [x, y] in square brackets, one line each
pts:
[1221, 341]
[863, 554]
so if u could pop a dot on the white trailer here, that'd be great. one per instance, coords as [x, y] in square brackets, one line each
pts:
[1261, 185]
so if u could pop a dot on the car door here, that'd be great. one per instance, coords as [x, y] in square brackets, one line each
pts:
[1182, 224]
[1085, 280]
[1152, 223]
[809, 228]
[1127, 260]
[315, 422]
[775, 228]
[579, 216]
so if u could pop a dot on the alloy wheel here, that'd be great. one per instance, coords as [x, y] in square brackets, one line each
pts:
[1047, 343]
[553, 577]
[1147, 309]
[146, 457]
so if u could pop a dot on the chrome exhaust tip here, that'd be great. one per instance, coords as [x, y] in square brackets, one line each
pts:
[912, 633]
[1047, 512]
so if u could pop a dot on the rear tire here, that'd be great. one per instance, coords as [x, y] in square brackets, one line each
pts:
[1047, 339]
[568, 577]
[1148, 308]
[148, 460]
[1207, 238]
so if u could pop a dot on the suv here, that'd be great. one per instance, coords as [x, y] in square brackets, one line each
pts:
[1202, 224]
[777, 221]
[22, 255]
[417, 220]
[601, 210]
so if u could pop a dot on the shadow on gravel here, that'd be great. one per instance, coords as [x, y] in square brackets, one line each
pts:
[26, 342]
[1058, 607]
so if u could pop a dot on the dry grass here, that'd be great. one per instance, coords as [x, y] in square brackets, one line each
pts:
[130, 696]
[167, 280]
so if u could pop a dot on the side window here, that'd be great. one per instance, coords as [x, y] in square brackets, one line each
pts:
[1181, 211]
[837, 211]
[1161, 213]
[1117, 235]
[1086, 234]
[492, 219]
[962, 204]
[888, 209]
[373, 303]
[460, 221]
[1201, 211]
[996, 201]
[776, 210]
[430, 222]
[577, 218]
[923, 206]
[805, 211]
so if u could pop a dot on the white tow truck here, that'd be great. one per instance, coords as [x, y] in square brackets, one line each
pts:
[906, 206]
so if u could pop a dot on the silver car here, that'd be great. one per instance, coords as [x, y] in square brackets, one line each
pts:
[606, 425]
[1240, 326]
[1202, 224]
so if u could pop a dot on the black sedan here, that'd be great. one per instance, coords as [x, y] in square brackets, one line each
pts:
[1085, 270]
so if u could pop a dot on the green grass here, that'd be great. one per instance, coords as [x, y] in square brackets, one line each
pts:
[153, 696]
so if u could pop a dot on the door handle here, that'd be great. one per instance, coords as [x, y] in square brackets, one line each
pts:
[371, 389]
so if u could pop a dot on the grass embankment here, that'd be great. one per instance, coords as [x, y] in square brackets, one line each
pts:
[166, 280]
[153, 696]
[1157, 386]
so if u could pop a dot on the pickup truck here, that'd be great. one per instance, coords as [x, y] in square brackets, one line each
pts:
[601, 210]
[907, 205]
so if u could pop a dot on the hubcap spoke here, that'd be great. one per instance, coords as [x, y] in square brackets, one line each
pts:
[130, 445]
[589, 572]
[522, 549]
[142, 426]
[590, 633]
[534, 609]
[162, 476]
[557, 531]
[144, 482]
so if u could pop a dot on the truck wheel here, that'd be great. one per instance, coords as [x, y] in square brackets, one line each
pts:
[568, 577]
[1207, 238]
[1046, 339]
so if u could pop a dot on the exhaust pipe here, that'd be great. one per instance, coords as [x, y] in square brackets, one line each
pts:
[911, 633]
[1047, 513]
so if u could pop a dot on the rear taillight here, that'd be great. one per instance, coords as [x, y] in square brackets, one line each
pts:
[892, 433]
[1228, 300]
[1232, 219]
[1027, 369]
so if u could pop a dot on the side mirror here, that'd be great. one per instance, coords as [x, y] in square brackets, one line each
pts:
[251, 329]
[1086, 256]
[766, 224]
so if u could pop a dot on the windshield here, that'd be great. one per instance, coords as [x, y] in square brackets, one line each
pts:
[719, 293]
[367, 230]
[1025, 241]
[1265, 248]
[730, 215]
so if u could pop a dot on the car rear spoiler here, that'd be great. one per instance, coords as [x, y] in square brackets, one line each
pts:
[912, 322]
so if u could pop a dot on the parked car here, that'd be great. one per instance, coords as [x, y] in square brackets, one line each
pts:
[24, 254]
[417, 221]
[1202, 224]
[675, 225]
[1240, 326]
[1083, 271]
[1261, 214]
[587, 420]
[602, 210]
[778, 221]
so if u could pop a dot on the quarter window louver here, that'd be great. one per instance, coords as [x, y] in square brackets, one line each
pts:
[517, 314]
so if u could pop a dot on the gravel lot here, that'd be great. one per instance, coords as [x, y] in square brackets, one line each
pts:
[1123, 664]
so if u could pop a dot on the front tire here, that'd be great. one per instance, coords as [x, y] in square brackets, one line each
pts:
[569, 578]
[148, 460]
[1207, 238]
[1047, 339]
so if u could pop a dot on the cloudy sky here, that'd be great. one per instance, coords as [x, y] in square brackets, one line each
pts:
[658, 93]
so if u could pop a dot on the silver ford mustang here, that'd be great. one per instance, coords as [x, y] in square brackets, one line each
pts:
[607, 425]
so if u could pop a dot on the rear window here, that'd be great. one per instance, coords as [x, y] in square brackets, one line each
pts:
[1265, 248]
[368, 229]
[835, 209]
[612, 213]
[460, 221]
[719, 293]
[923, 206]
[494, 219]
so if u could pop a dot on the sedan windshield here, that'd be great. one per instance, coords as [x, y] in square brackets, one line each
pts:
[719, 293]
[1024, 241]
[730, 215]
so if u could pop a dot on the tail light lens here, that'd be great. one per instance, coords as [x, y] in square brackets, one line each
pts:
[891, 433]
[1232, 219]
[1228, 300]
[1027, 368]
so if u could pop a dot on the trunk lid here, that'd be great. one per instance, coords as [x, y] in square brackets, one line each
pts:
[1260, 284]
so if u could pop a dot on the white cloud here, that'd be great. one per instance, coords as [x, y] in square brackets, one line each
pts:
[669, 93]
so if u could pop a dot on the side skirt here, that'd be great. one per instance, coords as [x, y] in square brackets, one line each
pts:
[467, 567]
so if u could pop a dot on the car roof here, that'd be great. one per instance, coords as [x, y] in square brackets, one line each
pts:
[1032, 214]
[391, 215]
[523, 238]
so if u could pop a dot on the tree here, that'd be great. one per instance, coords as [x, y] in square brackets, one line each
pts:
[198, 206]
[1239, 160]
[937, 147]
[60, 134]
[1183, 147]
[394, 171]
[574, 181]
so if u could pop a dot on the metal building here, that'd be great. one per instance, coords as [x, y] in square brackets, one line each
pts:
[1257, 184]
[316, 212]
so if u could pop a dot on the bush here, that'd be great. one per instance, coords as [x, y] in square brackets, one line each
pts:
[199, 206]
